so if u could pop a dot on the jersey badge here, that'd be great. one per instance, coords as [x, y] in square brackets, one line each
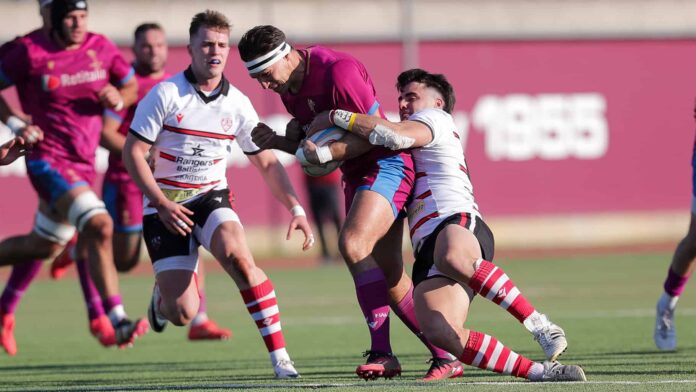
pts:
[96, 64]
[226, 123]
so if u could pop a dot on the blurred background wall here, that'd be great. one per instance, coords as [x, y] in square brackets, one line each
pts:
[577, 116]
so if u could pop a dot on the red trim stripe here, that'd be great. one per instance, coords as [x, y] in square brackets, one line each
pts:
[422, 221]
[192, 132]
[421, 174]
[215, 161]
[424, 195]
[464, 169]
[183, 184]
[457, 135]
[167, 156]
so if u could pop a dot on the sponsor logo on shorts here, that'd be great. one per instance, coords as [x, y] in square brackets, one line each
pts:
[156, 242]
[177, 195]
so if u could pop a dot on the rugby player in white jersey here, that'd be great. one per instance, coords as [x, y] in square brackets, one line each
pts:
[451, 242]
[191, 119]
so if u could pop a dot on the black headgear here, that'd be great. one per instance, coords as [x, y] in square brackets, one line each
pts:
[60, 8]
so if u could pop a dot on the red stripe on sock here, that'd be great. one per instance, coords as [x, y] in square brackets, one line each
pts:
[502, 358]
[256, 292]
[521, 308]
[268, 321]
[274, 341]
[480, 275]
[263, 305]
[522, 366]
[505, 290]
[492, 280]
[472, 347]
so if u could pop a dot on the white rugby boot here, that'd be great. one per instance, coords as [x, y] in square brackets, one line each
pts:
[285, 368]
[665, 331]
[550, 336]
[555, 371]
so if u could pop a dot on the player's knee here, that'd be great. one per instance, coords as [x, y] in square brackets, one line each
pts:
[462, 262]
[100, 228]
[353, 247]
[180, 312]
[242, 269]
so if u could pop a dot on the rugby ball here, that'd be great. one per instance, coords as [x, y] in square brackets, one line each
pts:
[324, 138]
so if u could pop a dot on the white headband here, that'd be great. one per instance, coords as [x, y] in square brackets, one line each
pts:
[268, 59]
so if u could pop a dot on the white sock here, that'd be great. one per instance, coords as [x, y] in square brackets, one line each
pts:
[670, 301]
[279, 355]
[116, 314]
[535, 321]
[536, 372]
[201, 318]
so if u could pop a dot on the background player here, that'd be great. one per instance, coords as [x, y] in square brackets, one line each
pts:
[191, 120]
[376, 185]
[123, 199]
[64, 91]
[679, 272]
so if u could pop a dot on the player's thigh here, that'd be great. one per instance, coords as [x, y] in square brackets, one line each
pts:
[456, 251]
[369, 218]
[388, 250]
[442, 306]
[229, 246]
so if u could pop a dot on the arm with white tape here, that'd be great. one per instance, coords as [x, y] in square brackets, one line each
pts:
[278, 182]
[380, 132]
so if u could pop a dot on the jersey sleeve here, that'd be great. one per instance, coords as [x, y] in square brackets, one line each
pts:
[150, 114]
[247, 118]
[352, 89]
[14, 63]
[120, 71]
[439, 122]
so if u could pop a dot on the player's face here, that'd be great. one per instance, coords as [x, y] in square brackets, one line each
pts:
[150, 50]
[209, 48]
[75, 27]
[415, 97]
[276, 77]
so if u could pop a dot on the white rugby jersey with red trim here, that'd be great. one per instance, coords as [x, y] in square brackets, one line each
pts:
[442, 184]
[192, 133]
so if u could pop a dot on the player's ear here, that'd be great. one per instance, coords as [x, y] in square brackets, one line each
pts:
[439, 103]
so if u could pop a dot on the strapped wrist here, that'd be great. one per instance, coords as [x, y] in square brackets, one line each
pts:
[343, 119]
[297, 210]
[15, 124]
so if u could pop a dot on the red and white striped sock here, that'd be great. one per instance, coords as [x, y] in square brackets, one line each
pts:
[263, 307]
[492, 283]
[486, 352]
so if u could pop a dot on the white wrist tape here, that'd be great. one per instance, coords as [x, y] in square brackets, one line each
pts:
[343, 119]
[297, 211]
[385, 136]
[324, 154]
[119, 106]
[15, 124]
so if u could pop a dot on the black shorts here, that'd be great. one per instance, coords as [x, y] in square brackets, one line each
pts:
[423, 267]
[179, 251]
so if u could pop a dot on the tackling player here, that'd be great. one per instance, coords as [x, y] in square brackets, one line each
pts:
[450, 240]
[376, 184]
[191, 119]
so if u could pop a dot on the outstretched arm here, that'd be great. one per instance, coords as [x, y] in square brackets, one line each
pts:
[277, 179]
